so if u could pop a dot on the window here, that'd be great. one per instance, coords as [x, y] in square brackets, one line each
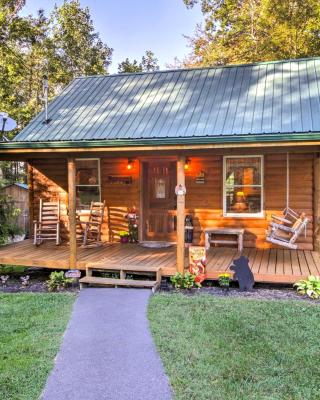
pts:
[243, 186]
[87, 181]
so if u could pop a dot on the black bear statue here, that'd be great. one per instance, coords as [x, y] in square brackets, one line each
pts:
[242, 273]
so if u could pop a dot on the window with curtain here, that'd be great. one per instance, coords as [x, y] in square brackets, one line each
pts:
[243, 186]
[87, 182]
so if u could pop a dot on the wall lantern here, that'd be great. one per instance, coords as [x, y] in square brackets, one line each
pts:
[187, 164]
[130, 164]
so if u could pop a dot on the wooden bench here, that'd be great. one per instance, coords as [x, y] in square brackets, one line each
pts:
[209, 232]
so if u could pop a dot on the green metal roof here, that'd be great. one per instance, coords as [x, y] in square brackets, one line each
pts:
[256, 102]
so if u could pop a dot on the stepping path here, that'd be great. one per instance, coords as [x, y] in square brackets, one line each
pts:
[108, 352]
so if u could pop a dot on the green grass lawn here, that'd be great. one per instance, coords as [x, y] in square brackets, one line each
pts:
[31, 329]
[229, 348]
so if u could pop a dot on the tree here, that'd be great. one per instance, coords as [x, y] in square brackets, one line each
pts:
[62, 46]
[254, 30]
[128, 67]
[148, 63]
[77, 48]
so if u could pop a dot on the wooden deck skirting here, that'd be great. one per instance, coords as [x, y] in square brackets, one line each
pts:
[268, 265]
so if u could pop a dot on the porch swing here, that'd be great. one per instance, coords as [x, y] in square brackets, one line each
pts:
[285, 229]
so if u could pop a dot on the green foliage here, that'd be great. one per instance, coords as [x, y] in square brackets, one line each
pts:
[12, 269]
[78, 48]
[148, 63]
[254, 30]
[57, 281]
[62, 46]
[128, 66]
[310, 287]
[8, 219]
[186, 281]
[224, 280]
[112, 275]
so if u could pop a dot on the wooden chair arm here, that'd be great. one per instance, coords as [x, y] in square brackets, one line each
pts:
[282, 227]
[286, 221]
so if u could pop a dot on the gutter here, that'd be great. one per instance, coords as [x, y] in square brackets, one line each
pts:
[222, 140]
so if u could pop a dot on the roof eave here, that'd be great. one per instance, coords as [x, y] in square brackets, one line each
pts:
[194, 140]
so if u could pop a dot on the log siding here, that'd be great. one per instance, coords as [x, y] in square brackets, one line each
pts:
[203, 201]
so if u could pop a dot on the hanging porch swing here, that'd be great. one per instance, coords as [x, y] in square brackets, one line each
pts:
[284, 230]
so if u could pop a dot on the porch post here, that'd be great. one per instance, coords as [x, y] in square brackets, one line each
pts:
[180, 214]
[31, 197]
[72, 212]
[316, 200]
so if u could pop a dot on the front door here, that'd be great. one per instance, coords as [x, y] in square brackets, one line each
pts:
[159, 181]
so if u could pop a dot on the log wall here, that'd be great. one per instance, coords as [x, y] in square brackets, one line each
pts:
[203, 201]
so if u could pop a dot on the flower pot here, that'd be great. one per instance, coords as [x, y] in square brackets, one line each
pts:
[124, 239]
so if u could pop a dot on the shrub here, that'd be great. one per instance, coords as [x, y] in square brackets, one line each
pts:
[224, 280]
[186, 281]
[8, 219]
[58, 281]
[310, 287]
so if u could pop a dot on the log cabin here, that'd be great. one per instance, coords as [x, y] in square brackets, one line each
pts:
[242, 140]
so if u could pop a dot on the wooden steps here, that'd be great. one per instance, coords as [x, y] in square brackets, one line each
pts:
[123, 270]
[93, 280]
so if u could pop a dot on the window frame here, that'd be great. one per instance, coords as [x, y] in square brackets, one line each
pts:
[226, 214]
[99, 176]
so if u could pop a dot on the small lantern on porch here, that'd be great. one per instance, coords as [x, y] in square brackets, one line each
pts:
[187, 164]
[130, 164]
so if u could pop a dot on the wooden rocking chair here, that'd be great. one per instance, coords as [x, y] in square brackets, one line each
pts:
[48, 226]
[286, 229]
[91, 233]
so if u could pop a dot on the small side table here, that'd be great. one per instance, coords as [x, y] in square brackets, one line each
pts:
[209, 232]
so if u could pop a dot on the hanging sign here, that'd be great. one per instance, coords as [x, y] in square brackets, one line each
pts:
[180, 190]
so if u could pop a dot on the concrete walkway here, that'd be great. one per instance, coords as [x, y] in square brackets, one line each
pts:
[108, 352]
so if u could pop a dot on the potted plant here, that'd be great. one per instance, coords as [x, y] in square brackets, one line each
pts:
[124, 236]
[224, 281]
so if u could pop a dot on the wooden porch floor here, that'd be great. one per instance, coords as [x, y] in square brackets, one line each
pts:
[275, 265]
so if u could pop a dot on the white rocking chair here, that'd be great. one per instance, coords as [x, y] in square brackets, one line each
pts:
[284, 230]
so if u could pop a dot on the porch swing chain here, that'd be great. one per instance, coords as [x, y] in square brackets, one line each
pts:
[288, 190]
[288, 181]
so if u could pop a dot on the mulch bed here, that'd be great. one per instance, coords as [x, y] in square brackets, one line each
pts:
[259, 292]
[37, 282]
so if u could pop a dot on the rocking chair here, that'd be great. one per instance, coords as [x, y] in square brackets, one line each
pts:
[91, 233]
[48, 226]
[285, 230]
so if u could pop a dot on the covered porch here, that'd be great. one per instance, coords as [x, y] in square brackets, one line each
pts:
[268, 265]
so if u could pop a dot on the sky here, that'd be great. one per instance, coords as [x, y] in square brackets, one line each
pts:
[132, 26]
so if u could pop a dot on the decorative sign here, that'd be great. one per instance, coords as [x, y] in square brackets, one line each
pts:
[119, 180]
[243, 273]
[200, 179]
[197, 262]
[180, 190]
[72, 273]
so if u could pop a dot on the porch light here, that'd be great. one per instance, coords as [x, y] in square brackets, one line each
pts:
[130, 165]
[187, 164]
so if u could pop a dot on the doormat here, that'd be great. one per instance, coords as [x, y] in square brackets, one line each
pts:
[156, 245]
